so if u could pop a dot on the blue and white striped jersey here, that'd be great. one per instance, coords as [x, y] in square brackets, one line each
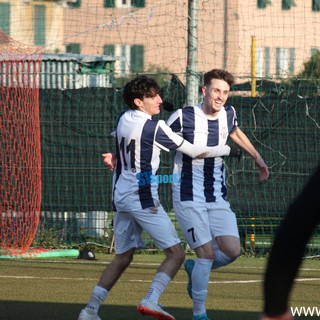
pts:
[139, 140]
[201, 180]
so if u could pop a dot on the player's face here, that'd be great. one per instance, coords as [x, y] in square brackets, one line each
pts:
[215, 96]
[150, 105]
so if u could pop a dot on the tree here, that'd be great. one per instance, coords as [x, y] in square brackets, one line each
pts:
[311, 68]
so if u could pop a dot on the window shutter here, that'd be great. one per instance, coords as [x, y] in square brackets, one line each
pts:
[287, 4]
[75, 4]
[292, 60]
[137, 58]
[108, 50]
[315, 5]
[278, 61]
[5, 17]
[39, 25]
[73, 48]
[138, 3]
[267, 61]
[261, 4]
[109, 3]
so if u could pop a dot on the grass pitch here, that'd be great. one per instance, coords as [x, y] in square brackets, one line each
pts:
[58, 289]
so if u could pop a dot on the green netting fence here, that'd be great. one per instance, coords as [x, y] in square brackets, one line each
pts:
[283, 123]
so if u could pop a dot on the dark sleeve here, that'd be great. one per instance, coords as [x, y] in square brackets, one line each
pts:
[289, 245]
[231, 118]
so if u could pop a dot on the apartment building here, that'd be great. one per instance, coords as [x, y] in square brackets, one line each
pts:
[34, 23]
[146, 35]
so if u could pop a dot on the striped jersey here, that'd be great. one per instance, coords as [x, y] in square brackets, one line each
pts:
[201, 180]
[139, 140]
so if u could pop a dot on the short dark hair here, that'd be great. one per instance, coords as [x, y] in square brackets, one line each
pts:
[218, 74]
[140, 87]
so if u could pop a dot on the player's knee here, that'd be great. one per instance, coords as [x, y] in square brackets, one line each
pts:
[129, 260]
[123, 260]
[230, 246]
[176, 253]
[234, 256]
[223, 258]
[233, 252]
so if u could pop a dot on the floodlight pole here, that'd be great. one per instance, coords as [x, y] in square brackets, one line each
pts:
[192, 77]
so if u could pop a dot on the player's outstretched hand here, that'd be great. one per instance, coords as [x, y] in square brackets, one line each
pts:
[235, 152]
[264, 170]
[284, 316]
[109, 160]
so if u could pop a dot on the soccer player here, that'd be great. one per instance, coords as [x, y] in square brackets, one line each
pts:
[139, 140]
[288, 250]
[200, 197]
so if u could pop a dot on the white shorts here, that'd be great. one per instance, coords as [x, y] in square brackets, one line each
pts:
[128, 227]
[203, 222]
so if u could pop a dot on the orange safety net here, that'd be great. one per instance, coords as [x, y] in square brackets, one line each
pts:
[20, 154]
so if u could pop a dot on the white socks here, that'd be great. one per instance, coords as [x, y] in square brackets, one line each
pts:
[98, 295]
[158, 285]
[200, 279]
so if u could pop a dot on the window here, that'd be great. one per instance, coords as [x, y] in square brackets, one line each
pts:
[124, 64]
[137, 58]
[259, 62]
[263, 62]
[287, 4]
[285, 59]
[109, 3]
[73, 48]
[315, 5]
[5, 17]
[124, 3]
[128, 58]
[261, 4]
[291, 60]
[267, 61]
[138, 3]
[74, 4]
[39, 24]
[108, 50]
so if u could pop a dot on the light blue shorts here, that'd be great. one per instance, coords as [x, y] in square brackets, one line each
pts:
[128, 228]
[203, 222]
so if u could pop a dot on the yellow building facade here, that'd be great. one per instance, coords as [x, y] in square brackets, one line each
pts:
[152, 35]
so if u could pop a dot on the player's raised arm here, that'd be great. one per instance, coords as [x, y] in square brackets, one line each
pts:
[242, 140]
